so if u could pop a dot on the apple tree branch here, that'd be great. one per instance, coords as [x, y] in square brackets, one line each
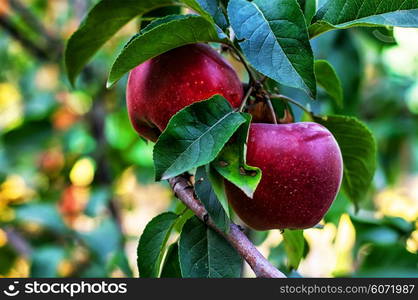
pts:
[258, 263]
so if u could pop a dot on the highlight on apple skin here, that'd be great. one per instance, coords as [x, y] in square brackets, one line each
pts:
[160, 87]
[302, 170]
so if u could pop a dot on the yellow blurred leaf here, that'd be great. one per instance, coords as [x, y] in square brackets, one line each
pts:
[47, 77]
[3, 238]
[82, 173]
[11, 107]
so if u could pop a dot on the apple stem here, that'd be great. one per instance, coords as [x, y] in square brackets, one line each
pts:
[259, 264]
[245, 99]
[270, 105]
[290, 100]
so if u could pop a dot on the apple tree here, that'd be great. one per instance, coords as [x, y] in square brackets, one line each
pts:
[274, 150]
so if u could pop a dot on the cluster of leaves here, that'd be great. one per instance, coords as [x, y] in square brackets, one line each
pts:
[274, 38]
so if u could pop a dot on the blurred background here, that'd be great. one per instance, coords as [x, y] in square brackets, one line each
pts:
[76, 182]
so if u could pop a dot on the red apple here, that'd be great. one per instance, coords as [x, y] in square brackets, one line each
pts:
[302, 172]
[160, 87]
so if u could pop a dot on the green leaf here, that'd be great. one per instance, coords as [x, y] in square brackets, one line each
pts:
[101, 23]
[274, 38]
[45, 261]
[118, 130]
[165, 11]
[327, 78]
[209, 9]
[231, 162]
[359, 151]
[45, 215]
[205, 254]
[341, 14]
[206, 8]
[98, 202]
[119, 260]
[157, 22]
[207, 196]
[171, 267]
[183, 217]
[8, 258]
[309, 8]
[294, 245]
[218, 186]
[278, 258]
[140, 154]
[79, 140]
[388, 261]
[258, 237]
[342, 50]
[172, 33]
[194, 136]
[104, 240]
[152, 244]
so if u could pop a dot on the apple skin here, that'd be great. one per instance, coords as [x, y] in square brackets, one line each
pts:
[302, 170]
[160, 87]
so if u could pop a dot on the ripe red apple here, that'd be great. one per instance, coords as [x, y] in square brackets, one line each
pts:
[302, 171]
[160, 87]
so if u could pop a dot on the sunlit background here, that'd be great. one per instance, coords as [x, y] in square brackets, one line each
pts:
[76, 182]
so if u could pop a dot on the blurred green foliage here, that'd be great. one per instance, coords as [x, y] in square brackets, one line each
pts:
[76, 182]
